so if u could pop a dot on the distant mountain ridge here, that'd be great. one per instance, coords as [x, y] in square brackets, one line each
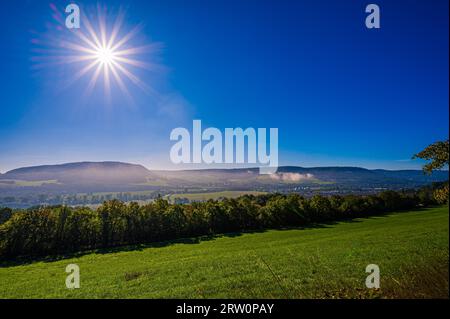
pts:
[102, 176]
[88, 172]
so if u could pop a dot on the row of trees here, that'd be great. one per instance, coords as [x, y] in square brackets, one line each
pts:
[62, 229]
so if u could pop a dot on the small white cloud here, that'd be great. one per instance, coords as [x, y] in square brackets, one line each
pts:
[292, 177]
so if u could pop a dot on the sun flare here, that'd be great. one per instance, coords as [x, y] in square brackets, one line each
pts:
[99, 50]
[105, 56]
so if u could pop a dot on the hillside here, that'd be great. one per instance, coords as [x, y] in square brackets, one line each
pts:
[328, 261]
[82, 172]
[24, 187]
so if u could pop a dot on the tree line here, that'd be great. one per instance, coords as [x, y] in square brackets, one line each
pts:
[62, 229]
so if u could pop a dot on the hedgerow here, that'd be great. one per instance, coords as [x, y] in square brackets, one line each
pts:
[62, 229]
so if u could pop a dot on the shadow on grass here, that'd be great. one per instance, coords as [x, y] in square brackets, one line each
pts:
[190, 240]
[120, 248]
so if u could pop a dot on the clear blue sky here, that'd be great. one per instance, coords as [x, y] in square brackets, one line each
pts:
[339, 94]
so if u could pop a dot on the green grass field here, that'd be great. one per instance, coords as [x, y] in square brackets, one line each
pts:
[17, 182]
[328, 261]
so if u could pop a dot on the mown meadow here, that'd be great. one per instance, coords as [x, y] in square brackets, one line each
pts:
[325, 260]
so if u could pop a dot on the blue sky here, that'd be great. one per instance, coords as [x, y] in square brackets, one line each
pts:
[340, 94]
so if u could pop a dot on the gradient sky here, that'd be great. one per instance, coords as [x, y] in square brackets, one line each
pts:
[340, 94]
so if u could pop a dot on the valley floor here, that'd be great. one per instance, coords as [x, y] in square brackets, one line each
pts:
[327, 261]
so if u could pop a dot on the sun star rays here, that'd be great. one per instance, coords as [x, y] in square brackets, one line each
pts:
[99, 51]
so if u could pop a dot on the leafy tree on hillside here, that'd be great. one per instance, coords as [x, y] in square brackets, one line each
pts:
[437, 153]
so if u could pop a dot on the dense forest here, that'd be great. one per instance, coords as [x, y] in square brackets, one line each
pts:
[56, 230]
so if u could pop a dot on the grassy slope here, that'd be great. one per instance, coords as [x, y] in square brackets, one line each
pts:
[17, 182]
[411, 250]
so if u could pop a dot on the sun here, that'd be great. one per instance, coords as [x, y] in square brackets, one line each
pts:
[100, 51]
[105, 56]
